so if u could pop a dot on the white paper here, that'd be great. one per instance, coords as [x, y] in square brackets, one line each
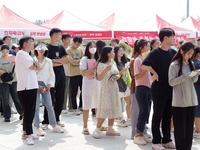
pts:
[193, 73]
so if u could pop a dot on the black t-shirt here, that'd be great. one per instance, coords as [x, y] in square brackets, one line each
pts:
[57, 52]
[160, 61]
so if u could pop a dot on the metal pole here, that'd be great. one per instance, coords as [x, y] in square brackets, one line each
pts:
[188, 8]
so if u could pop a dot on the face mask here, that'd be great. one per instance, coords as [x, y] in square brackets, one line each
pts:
[144, 55]
[92, 50]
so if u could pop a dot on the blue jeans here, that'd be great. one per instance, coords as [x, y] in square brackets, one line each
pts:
[143, 96]
[48, 104]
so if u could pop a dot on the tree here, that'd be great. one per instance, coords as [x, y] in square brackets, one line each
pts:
[183, 18]
[39, 22]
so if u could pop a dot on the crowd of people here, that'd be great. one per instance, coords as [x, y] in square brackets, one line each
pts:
[104, 79]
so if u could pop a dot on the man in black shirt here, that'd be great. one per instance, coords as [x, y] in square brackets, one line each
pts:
[158, 62]
[59, 57]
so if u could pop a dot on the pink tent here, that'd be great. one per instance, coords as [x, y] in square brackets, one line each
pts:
[192, 24]
[156, 23]
[125, 30]
[15, 26]
[71, 24]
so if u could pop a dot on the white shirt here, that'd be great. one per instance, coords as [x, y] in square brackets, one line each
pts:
[26, 78]
[46, 74]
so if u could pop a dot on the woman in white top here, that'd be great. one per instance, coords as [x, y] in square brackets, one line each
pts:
[90, 84]
[46, 80]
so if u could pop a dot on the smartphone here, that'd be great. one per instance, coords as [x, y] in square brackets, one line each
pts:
[112, 76]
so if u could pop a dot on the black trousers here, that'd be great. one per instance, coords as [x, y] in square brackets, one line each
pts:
[74, 83]
[183, 118]
[28, 101]
[162, 110]
[57, 97]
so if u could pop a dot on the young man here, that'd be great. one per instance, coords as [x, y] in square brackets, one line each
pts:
[75, 54]
[114, 42]
[8, 40]
[66, 38]
[59, 57]
[198, 42]
[158, 62]
[27, 85]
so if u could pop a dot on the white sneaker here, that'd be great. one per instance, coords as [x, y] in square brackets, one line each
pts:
[60, 124]
[139, 140]
[35, 137]
[21, 121]
[96, 134]
[76, 112]
[29, 141]
[196, 135]
[40, 132]
[147, 139]
[57, 129]
[128, 122]
[148, 135]
[157, 147]
[64, 111]
[122, 123]
[44, 126]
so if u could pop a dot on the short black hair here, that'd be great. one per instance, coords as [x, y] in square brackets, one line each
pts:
[5, 37]
[77, 39]
[197, 50]
[25, 39]
[5, 46]
[54, 30]
[64, 36]
[181, 42]
[115, 40]
[198, 39]
[166, 32]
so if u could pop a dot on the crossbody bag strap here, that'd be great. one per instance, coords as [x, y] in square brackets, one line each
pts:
[13, 69]
[41, 67]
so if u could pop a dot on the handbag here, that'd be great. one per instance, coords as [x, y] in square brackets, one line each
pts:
[7, 77]
[122, 85]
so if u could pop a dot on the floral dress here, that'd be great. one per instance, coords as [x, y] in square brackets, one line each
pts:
[109, 105]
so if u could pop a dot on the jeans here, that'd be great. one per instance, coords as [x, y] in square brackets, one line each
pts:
[5, 89]
[75, 82]
[143, 96]
[48, 104]
[28, 101]
[183, 118]
[162, 110]
[57, 97]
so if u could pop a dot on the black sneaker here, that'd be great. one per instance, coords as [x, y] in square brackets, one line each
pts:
[6, 119]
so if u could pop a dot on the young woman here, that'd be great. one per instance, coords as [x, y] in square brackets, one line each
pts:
[197, 88]
[142, 91]
[10, 87]
[46, 80]
[120, 60]
[109, 103]
[90, 90]
[155, 43]
[184, 99]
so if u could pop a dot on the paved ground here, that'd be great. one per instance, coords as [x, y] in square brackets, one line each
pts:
[72, 139]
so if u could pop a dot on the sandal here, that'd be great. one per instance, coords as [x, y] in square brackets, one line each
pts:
[103, 128]
[85, 131]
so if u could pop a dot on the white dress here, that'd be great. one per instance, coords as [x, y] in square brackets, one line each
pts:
[109, 105]
[90, 88]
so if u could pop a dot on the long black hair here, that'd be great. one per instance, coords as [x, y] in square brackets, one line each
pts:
[87, 52]
[104, 54]
[178, 56]
[123, 58]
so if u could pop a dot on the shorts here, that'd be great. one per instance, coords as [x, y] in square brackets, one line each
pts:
[125, 94]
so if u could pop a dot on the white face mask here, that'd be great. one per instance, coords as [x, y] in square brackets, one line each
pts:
[92, 50]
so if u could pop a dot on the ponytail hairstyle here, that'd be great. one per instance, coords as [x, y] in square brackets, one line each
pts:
[139, 44]
[185, 47]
